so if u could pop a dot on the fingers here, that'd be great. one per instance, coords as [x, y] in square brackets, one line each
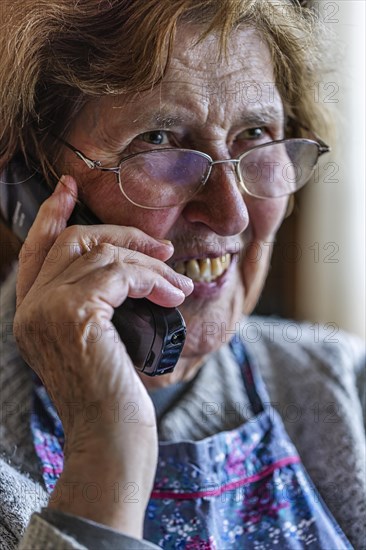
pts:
[108, 286]
[92, 242]
[124, 263]
[49, 223]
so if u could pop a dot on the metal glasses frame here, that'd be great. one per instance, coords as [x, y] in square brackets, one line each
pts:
[96, 164]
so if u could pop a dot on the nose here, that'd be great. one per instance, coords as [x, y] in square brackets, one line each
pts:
[220, 204]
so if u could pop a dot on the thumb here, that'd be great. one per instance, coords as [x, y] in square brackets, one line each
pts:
[50, 221]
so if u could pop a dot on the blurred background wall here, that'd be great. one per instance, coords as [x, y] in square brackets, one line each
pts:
[330, 276]
[318, 268]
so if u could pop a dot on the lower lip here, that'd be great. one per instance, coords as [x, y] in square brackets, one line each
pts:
[214, 288]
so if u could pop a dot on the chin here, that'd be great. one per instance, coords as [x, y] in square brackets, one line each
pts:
[211, 322]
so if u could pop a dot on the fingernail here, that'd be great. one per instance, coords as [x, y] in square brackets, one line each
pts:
[60, 185]
[165, 241]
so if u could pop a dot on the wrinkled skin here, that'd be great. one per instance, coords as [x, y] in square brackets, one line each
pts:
[211, 101]
[79, 285]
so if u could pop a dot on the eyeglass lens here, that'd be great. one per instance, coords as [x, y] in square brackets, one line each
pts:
[279, 169]
[163, 178]
[171, 177]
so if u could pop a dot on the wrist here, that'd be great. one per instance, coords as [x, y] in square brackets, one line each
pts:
[103, 492]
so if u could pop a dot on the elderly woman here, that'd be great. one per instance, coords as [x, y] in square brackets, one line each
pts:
[183, 128]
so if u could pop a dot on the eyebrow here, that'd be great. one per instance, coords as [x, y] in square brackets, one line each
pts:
[267, 114]
[161, 119]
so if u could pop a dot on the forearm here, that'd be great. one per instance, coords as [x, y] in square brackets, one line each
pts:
[104, 490]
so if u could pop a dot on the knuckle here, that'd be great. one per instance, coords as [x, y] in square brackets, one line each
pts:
[132, 243]
[169, 273]
[137, 240]
[133, 233]
[98, 252]
[70, 233]
[107, 250]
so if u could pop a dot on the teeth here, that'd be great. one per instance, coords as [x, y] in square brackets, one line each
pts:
[193, 270]
[217, 267]
[205, 269]
[180, 268]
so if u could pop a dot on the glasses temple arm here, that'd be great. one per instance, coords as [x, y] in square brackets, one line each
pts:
[88, 161]
[323, 147]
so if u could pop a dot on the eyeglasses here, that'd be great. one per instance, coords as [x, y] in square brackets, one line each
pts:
[169, 177]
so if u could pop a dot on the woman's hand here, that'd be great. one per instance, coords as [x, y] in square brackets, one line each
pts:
[69, 282]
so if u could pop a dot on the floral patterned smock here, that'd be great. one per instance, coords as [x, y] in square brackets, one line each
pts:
[241, 489]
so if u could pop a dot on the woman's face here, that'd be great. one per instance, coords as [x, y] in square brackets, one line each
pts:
[220, 108]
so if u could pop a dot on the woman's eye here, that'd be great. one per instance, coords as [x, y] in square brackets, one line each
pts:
[252, 133]
[157, 137]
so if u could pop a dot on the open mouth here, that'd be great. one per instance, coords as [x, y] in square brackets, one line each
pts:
[204, 270]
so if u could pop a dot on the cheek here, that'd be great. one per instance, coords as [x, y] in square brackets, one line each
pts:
[265, 219]
[265, 216]
[103, 196]
[211, 323]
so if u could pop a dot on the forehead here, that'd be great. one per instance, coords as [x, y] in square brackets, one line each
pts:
[243, 73]
[247, 57]
[200, 86]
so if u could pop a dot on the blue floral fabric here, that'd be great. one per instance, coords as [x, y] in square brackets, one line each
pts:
[48, 435]
[241, 489]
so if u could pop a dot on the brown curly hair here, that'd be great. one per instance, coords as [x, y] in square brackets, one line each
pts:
[58, 54]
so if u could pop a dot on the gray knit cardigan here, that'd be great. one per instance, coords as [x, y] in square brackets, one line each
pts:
[315, 379]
